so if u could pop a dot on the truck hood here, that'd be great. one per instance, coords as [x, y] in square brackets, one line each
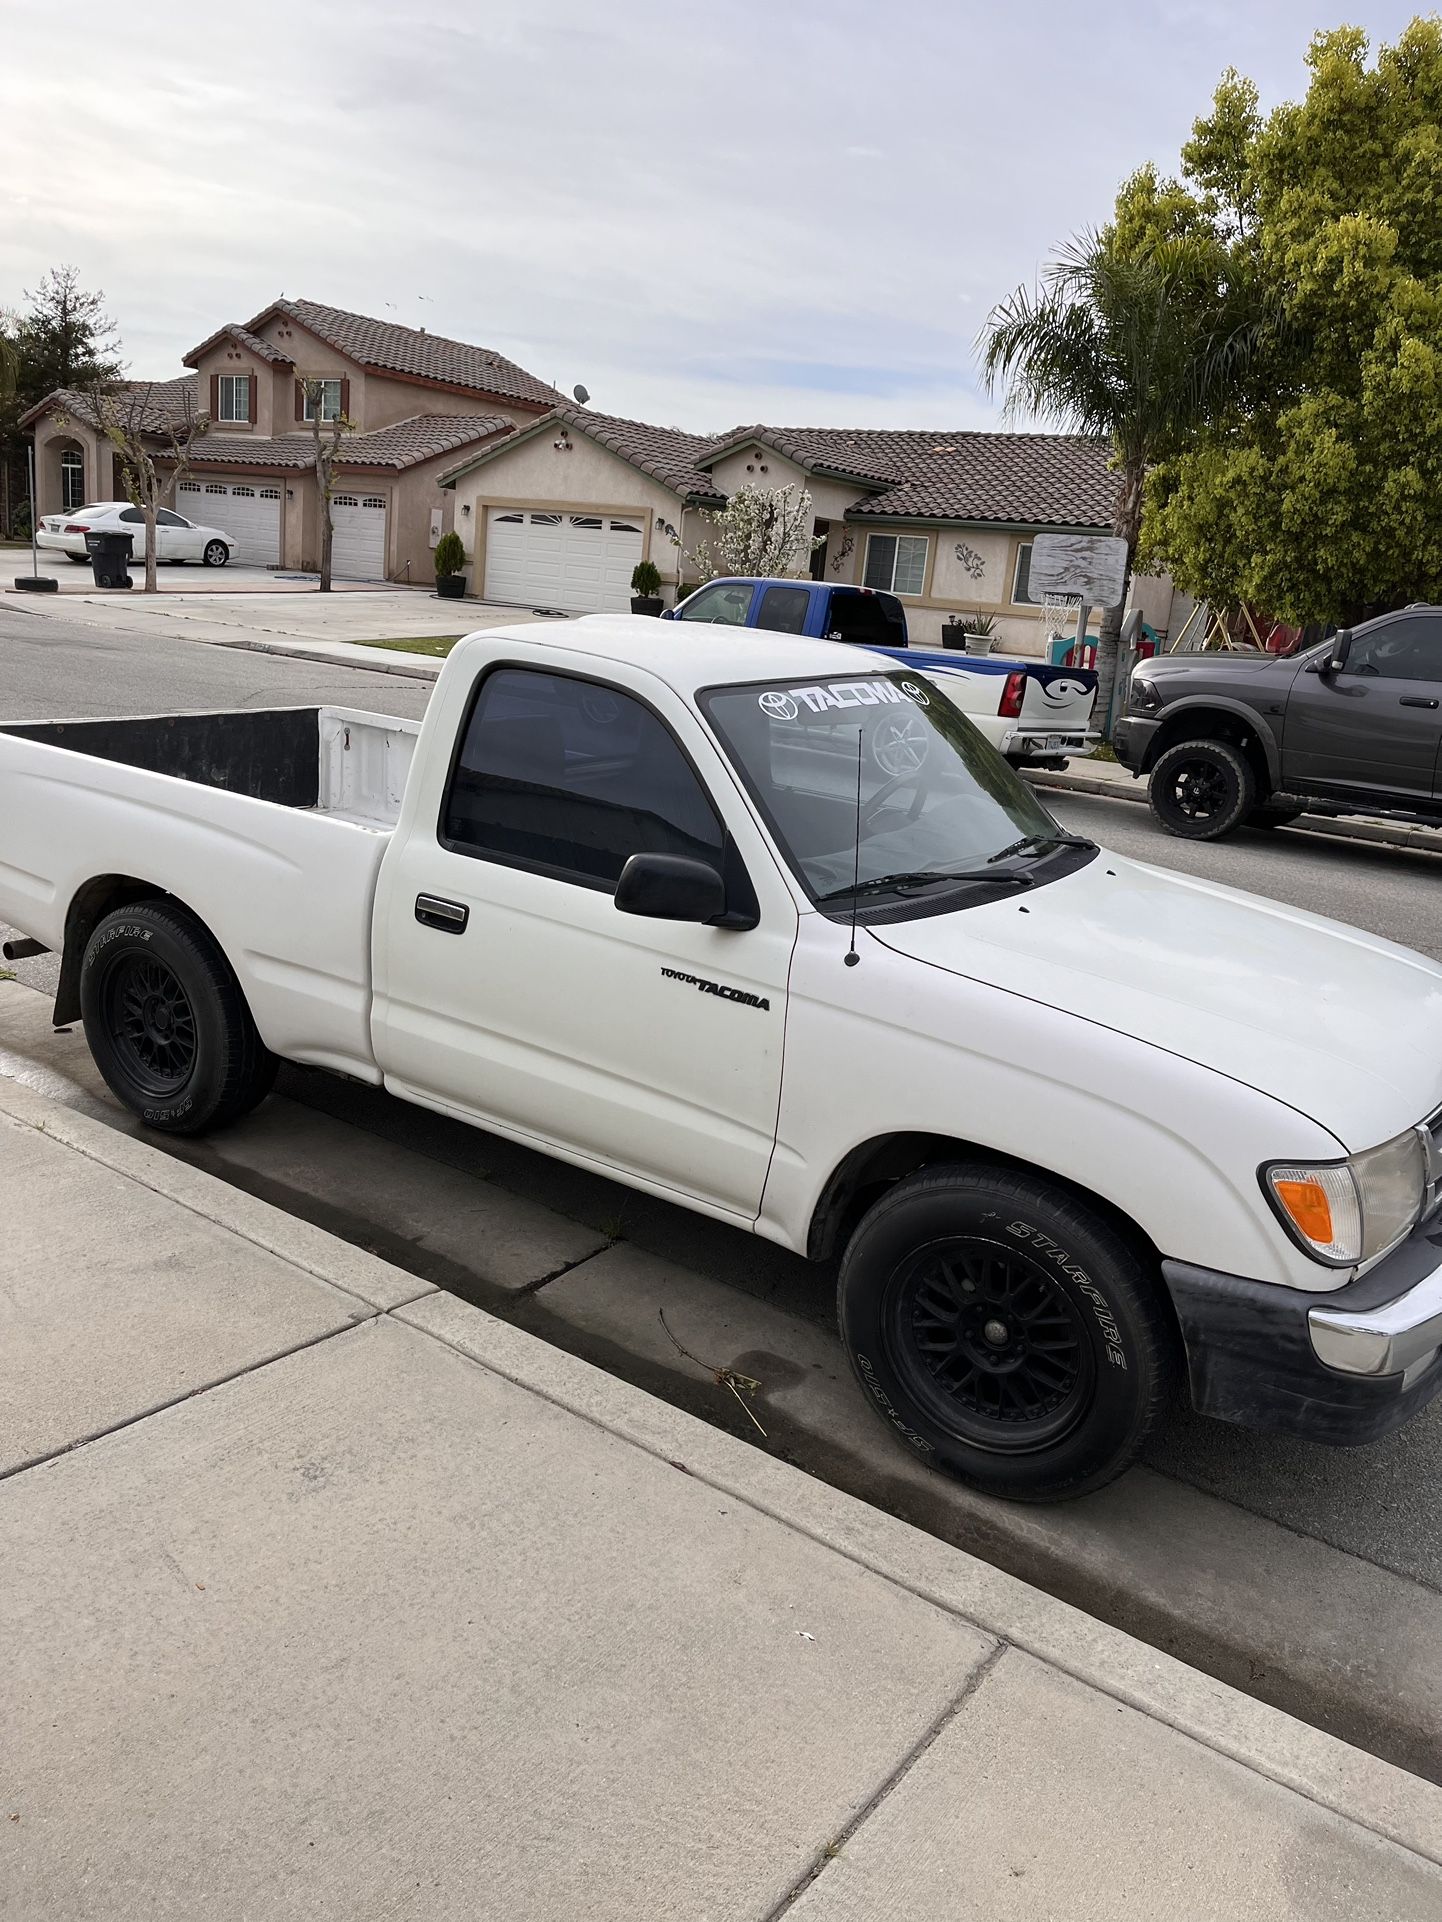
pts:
[1334, 1022]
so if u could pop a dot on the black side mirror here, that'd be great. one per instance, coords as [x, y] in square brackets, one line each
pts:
[1341, 648]
[671, 887]
[668, 613]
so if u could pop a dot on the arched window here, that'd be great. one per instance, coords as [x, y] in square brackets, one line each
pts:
[72, 480]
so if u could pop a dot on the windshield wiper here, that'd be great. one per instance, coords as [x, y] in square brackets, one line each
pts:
[885, 883]
[1040, 841]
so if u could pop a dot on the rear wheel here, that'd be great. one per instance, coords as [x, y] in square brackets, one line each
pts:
[1201, 790]
[167, 1023]
[1008, 1335]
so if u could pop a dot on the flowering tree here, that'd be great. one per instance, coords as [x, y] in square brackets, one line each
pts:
[759, 531]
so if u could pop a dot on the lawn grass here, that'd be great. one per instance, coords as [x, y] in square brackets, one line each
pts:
[436, 645]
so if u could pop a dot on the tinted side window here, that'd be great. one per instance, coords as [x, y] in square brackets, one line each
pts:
[166, 519]
[729, 604]
[783, 610]
[1406, 649]
[867, 618]
[572, 778]
[131, 514]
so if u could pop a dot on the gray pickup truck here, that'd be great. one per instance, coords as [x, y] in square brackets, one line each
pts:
[1352, 725]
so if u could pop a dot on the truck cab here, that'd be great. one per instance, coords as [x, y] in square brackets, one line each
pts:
[815, 608]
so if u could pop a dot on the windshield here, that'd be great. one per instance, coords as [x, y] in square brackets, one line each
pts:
[935, 797]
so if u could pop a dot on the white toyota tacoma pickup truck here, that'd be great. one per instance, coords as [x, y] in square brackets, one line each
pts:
[764, 927]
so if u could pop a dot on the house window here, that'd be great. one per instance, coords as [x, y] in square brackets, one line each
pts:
[1021, 580]
[329, 393]
[72, 481]
[235, 397]
[896, 563]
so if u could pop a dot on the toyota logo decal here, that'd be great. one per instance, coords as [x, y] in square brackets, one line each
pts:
[780, 707]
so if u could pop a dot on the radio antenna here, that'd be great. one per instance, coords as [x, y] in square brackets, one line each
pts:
[852, 957]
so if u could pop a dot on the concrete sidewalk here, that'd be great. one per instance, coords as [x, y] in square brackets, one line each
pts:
[328, 1595]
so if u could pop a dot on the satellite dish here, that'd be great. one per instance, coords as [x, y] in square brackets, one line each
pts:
[583, 394]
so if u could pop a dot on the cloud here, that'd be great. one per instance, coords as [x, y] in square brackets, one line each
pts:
[798, 213]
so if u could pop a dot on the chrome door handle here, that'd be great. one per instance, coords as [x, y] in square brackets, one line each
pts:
[434, 912]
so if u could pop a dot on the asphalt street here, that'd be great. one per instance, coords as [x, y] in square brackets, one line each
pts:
[384, 1174]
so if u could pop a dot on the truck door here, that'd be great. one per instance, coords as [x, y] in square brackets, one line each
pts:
[1377, 723]
[509, 987]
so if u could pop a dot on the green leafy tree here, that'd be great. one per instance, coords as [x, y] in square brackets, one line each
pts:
[62, 337]
[1320, 497]
[1137, 335]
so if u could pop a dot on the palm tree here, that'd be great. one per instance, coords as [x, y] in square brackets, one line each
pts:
[1140, 349]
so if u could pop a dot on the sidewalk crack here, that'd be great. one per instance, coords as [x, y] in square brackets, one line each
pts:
[977, 1679]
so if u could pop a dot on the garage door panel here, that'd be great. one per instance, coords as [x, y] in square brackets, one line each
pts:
[580, 563]
[246, 512]
[358, 537]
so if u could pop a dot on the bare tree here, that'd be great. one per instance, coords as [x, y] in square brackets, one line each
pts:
[328, 435]
[154, 448]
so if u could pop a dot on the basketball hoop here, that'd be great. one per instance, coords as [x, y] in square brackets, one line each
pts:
[1058, 617]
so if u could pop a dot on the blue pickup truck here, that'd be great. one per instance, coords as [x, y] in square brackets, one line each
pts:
[1037, 715]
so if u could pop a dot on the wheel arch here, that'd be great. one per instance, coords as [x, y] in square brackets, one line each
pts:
[89, 905]
[872, 1167]
[1212, 718]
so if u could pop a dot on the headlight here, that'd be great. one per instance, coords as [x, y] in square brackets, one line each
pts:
[1143, 695]
[1343, 1212]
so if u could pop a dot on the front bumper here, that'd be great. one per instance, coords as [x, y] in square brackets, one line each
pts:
[1344, 1367]
[1131, 738]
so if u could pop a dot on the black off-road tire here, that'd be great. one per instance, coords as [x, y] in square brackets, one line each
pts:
[1009, 1335]
[167, 1023]
[1201, 790]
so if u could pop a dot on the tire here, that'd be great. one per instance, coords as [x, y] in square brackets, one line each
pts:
[1201, 790]
[78, 560]
[997, 1264]
[216, 554]
[1267, 816]
[167, 1023]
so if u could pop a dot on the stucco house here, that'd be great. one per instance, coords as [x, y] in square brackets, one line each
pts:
[559, 513]
[417, 400]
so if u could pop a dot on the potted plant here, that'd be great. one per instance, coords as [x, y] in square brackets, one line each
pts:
[450, 559]
[646, 588]
[980, 633]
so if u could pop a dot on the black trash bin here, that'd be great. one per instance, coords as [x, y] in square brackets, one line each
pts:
[109, 559]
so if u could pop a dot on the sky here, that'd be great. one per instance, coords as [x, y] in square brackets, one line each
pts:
[767, 210]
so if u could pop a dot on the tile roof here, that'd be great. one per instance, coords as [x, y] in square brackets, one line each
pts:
[406, 443]
[1036, 480]
[164, 401]
[385, 345]
[667, 454]
[243, 337]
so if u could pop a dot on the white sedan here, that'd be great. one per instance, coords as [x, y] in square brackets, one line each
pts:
[176, 539]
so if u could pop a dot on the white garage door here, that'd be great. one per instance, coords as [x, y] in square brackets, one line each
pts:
[580, 563]
[246, 512]
[358, 545]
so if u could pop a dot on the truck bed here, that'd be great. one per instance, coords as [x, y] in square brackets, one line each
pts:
[270, 825]
[336, 760]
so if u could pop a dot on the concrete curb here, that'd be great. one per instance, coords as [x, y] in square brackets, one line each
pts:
[1380, 833]
[385, 662]
[1350, 1783]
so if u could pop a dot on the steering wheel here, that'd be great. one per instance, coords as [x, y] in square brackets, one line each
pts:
[884, 793]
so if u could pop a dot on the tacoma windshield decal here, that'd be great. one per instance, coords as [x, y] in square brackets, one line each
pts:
[784, 704]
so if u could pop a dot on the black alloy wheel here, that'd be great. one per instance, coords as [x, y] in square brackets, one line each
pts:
[151, 1022]
[984, 1334]
[1201, 790]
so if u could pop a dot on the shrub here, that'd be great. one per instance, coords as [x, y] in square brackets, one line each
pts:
[450, 555]
[645, 580]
